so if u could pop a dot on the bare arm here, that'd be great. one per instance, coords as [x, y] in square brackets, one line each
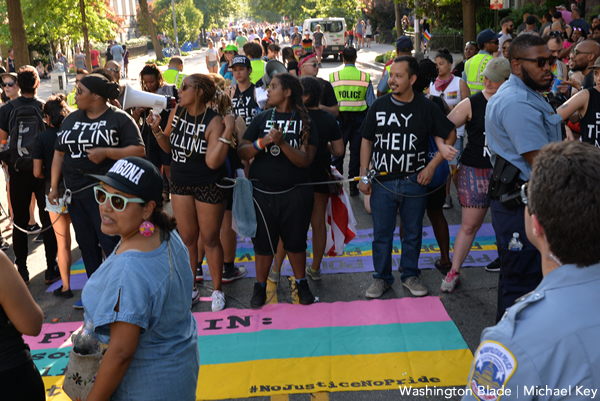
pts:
[575, 105]
[124, 338]
[98, 155]
[57, 163]
[336, 148]
[38, 171]
[465, 92]
[3, 134]
[17, 302]
[335, 110]
[461, 113]
[446, 145]
[163, 141]
[302, 157]
[216, 151]
[530, 156]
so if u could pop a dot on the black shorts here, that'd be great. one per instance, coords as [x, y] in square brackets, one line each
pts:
[229, 199]
[211, 193]
[436, 199]
[369, 36]
[287, 216]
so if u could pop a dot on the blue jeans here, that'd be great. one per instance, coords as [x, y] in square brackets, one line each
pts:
[384, 205]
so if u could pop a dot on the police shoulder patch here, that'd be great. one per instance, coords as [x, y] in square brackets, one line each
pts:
[493, 366]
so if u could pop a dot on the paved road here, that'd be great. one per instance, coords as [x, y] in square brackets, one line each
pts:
[472, 307]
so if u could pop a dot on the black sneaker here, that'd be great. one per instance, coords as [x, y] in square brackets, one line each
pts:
[52, 275]
[236, 273]
[199, 273]
[259, 297]
[63, 294]
[494, 266]
[4, 245]
[353, 189]
[304, 294]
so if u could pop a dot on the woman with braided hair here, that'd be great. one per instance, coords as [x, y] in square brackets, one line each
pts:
[151, 80]
[198, 139]
[283, 142]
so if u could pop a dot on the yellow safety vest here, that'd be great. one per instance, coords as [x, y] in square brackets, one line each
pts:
[71, 100]
[473, 70]
[388, 69]
[174, 77]
[258, 70]
[350, 87]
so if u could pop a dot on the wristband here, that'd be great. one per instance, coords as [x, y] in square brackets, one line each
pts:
[158, 134]
[258, 145]
[225, 141]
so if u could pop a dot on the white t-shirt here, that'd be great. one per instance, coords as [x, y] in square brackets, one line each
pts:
[212, 54]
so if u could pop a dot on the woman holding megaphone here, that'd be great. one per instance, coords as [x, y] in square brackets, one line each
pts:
[198, 139]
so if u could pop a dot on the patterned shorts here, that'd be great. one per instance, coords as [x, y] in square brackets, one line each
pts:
[473, 185]
[211, 193]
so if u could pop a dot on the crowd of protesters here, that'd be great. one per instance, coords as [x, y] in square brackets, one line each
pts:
[486, 124]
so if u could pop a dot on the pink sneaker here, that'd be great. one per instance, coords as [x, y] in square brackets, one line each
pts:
[450, 282]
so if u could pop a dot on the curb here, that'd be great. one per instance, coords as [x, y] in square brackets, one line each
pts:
[369, 64]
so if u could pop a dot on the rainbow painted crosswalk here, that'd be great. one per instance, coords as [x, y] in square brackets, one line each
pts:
[289, 349]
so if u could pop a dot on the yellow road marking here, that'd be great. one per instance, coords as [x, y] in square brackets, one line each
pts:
[320, 396]
[280, 397]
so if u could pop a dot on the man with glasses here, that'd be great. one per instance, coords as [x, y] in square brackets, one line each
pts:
[514, 143]
[583, 57]
[555, 44]
[309, 67]
[488, 42]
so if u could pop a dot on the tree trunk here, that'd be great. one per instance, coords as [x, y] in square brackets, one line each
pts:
[155, 43]
[469, 24]
[17, 32]
[399, 31]
[86, 41]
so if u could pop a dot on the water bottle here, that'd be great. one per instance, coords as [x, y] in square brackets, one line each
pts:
[86, 341]
[3, 146]
[515, 244]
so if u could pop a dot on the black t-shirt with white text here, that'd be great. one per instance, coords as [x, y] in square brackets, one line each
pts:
[590, 123]
[399, 132]
[272, 169]
[78, 133]
[329, 130]
[244, 104]
[476, 153]
[44, 149]
[188, 149]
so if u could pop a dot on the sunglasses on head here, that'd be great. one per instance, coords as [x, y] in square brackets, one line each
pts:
[541, 61]
[9, 84]
[118, 202]
[556, 34]
[113, 69]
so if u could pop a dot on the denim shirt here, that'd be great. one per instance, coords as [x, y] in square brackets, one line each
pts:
[519, 120]
[548, 338]
[154, 294]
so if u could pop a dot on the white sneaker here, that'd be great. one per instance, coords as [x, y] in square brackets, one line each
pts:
[195, 296]
[218, 301]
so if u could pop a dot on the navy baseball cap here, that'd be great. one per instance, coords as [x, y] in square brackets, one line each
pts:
[485, 36]
[404, 44]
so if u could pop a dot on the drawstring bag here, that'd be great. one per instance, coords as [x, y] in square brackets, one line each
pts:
[81, 374]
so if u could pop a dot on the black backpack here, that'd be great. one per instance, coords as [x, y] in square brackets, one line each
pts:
[24, 123]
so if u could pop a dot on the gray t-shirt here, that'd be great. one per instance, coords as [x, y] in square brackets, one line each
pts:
[117, 52]
[318, 37]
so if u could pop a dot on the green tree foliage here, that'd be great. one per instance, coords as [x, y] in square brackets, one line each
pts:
[51, 23]
[189, 19]
[218, 13]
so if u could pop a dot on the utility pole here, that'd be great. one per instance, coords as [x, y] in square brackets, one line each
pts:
[175, 28]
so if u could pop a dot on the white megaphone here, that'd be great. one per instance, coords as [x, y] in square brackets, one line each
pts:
[135, 98]
[272, 68]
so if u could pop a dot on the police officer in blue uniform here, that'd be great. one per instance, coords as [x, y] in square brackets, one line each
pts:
[519, 122]
[546, 345]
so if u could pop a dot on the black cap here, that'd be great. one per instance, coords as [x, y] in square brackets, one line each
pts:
[241, 60]
[136, 176]
[404, 44]
[530, 20]
[485, 36]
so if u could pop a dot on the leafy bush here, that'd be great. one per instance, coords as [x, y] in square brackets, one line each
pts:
[385, 57]
[164, 61]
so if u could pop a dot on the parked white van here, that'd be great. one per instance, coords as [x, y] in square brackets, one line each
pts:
[334, 30]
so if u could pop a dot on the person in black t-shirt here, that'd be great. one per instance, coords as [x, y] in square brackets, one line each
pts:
[475, 168]
[23, 183]
[243, 95]
[585, 107]
[152, 81]
[395, 141]
[309, 67]
[90, 140]
[283, 142]
[55, 111]
[198, 139]
[330, 143]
